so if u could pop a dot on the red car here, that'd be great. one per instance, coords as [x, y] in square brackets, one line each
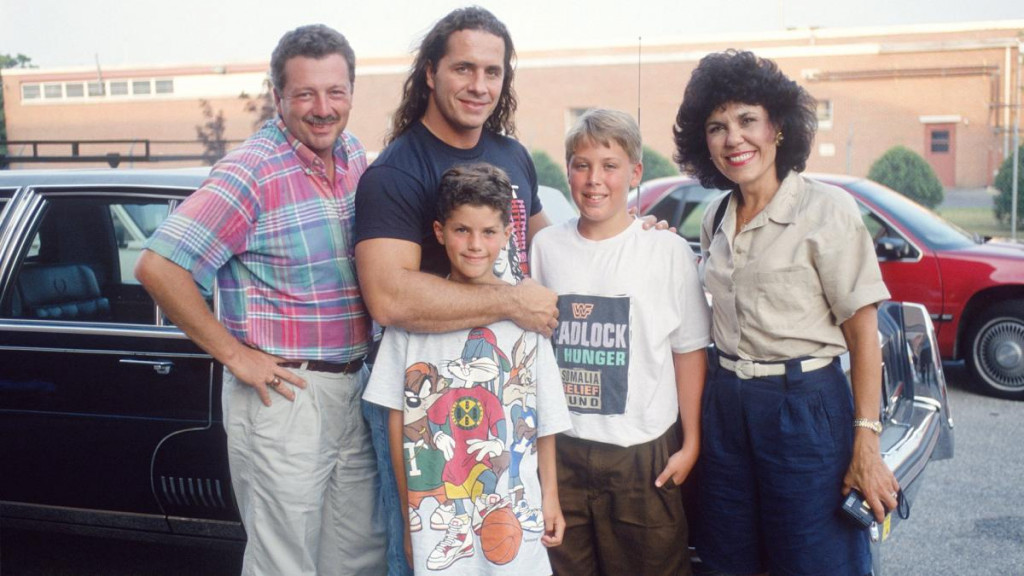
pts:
[973, 288]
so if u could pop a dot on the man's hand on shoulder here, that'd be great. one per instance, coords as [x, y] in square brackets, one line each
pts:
[651, 222]
[535, 308]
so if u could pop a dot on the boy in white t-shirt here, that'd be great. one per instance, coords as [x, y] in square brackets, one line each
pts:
[474, 412]
[633, 326]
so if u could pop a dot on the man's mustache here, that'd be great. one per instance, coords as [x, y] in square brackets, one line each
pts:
[321, 120]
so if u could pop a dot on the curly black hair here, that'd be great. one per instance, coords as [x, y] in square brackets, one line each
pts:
[739, 76]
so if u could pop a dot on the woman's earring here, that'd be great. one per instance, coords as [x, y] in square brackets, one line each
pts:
[779, 138]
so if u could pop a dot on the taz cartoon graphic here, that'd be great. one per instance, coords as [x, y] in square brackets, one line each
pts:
[423, 461]
[467, 423]
[520, 396]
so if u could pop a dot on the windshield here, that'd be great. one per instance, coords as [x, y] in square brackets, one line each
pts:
[928, 226]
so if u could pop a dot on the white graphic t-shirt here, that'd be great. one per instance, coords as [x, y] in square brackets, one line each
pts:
[625, 305]
[474, 402]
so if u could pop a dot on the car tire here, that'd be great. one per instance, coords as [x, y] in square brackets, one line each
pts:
[996, 354]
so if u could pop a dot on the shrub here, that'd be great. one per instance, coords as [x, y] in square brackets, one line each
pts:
[906, 172]
[549, 173]
[657, 166]
[1004, 183]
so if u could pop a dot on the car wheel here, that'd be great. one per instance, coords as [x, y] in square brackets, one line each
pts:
[996, 358]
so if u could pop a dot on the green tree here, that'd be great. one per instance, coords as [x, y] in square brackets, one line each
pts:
[657, 166]
[549, 173]
[262, 105]
[8, 61]
[906, 172]
[211, 134]
[1003, 203]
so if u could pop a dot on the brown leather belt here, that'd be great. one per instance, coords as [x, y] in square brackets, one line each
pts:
[349, 367]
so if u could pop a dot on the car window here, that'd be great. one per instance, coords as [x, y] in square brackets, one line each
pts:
[876, 228]
[684, 208]
[669, 207]
[693, 212]
[79, 264]
[133, 224]
[937, 233]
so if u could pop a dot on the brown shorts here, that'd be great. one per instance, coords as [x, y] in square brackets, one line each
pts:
[617, 522]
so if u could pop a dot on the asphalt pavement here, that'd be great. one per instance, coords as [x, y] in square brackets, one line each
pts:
[968, 518]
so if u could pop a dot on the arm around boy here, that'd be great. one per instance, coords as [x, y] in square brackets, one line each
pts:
[474, 411]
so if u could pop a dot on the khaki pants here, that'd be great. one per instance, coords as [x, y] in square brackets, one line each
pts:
[616, 521]
[305, 478]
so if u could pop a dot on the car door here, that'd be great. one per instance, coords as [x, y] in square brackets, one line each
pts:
[108, 416]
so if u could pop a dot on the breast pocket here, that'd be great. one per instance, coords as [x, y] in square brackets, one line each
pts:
[786, 298]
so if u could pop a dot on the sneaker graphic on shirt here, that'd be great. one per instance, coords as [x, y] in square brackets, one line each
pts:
[484, 505]
[415, 523]
[457, 543]
[442, 516]
[531, 519]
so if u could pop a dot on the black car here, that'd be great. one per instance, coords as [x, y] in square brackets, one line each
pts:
[110, 418]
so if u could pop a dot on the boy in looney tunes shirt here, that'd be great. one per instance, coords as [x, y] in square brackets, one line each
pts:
[467, 404]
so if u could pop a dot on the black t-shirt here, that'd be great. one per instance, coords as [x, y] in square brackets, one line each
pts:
[397, 196]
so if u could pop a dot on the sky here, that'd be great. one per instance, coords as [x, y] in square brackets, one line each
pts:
[116, 33]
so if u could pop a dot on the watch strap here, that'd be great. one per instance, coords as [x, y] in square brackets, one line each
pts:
[873, 425]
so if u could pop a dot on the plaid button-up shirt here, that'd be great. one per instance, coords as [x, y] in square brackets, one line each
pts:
[278, 238]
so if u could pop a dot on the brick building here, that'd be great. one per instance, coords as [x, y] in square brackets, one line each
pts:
[945, 91]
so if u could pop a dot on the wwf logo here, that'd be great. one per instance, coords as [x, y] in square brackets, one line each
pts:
[581, 311]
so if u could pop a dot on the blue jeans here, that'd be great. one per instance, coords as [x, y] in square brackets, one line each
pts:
[390, 504]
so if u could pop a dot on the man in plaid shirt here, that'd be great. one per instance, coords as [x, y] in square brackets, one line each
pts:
[273, 226]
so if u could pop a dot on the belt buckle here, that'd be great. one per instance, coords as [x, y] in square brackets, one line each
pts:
[744, 369]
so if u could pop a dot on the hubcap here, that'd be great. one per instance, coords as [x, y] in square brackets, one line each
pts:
[999, 354]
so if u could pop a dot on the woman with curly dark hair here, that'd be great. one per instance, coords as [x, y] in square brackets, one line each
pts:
[794, 283]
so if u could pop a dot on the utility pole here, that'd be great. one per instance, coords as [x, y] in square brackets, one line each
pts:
[1015, 182]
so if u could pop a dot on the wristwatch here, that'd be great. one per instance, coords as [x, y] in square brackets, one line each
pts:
[873, 425]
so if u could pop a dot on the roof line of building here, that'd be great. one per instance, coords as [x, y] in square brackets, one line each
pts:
[598, 55]
[813, 32]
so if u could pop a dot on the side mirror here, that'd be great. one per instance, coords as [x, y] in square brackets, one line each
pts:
[891, 248]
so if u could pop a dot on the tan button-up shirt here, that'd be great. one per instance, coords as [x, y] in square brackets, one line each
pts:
[781, 287]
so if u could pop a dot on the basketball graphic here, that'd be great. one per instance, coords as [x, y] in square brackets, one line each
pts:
[500, 536]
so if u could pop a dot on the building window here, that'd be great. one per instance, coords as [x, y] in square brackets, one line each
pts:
[53, 91]
[165, 86]
[30, 92]
[824, 114]
[74, 90]
[96, 89]
[940, 141]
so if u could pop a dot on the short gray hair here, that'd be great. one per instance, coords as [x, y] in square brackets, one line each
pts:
[312, 41]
